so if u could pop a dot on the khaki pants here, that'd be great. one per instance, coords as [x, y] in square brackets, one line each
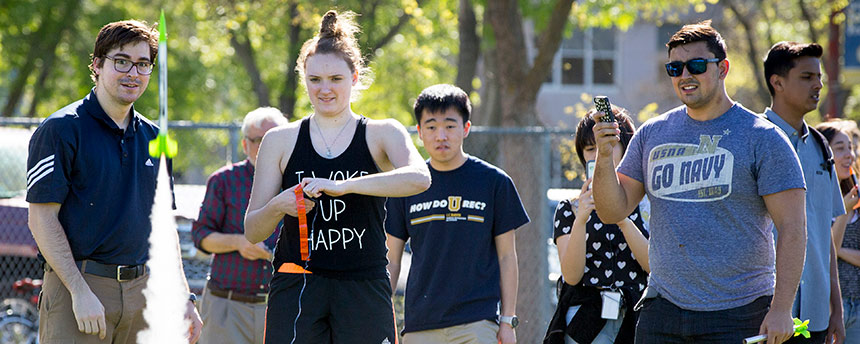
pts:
[479, 332]
[123, 303]
[231, 322]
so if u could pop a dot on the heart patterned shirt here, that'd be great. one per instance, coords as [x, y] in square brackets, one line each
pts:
[609, 262]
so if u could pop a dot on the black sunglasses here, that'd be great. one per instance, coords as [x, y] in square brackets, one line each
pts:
[694, 66]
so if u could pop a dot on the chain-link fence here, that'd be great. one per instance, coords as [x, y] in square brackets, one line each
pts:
[204, 147]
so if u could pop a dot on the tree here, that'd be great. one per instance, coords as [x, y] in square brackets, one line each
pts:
[751, 29]
[470, 46]
[42, 46]
[747, 18]
[381, 21]
[519, 81]
[208, 82]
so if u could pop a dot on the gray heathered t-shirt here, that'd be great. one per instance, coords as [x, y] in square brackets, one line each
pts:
[711, 246]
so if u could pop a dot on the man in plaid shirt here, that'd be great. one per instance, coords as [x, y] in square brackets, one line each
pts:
[234, 301]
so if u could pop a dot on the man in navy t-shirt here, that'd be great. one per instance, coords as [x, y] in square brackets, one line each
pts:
[464, 261]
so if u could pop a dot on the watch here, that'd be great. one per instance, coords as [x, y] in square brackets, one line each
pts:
[510, 320]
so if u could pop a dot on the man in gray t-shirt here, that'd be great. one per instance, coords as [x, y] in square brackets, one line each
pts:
[717, 176]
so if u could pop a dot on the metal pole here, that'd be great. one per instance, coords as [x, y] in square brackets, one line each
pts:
[232, 155]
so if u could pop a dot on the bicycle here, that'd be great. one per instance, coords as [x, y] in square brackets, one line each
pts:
[19, 316]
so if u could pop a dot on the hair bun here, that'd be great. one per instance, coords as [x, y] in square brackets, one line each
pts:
[337, 36]
[328, 27]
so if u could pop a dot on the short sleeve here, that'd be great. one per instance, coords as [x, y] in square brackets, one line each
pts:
[212, 212]
[777, 166]
[631, 163]
[562, 222]
[395, 220]
[49, 163]
[509, 213]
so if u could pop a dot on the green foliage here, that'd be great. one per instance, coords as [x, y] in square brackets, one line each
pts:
[207, 81]
[774, 21]
[420, 56]
[623, 14]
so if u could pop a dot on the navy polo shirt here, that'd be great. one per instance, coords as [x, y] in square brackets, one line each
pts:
[102, 176]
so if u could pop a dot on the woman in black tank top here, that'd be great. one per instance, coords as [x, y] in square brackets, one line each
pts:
[335, 289]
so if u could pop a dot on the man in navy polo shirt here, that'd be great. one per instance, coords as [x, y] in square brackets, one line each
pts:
[463, 275]
[90, 184]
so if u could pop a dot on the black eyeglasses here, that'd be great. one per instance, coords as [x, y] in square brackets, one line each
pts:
[694, 66]
[254, 140]
[124, 66]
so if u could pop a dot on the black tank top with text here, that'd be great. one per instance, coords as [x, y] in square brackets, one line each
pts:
[346, 237]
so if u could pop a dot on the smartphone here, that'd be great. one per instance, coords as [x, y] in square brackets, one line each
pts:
[589, 169]
[853, 176]
[853, 179]
[601, 103]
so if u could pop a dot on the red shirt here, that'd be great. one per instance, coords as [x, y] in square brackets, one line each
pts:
[223, 211]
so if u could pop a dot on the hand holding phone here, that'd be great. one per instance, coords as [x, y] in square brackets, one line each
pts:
[853, 179]
[853, 176]
[601, 103]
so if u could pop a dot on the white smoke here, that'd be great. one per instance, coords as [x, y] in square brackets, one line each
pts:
[166, 297]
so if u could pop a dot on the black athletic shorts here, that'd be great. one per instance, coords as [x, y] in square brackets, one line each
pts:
[332, 311]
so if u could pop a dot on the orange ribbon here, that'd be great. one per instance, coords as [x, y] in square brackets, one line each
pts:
[303, 222]
[292, 268]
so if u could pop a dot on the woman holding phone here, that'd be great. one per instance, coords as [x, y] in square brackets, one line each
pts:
[604, 266]
[846, 228]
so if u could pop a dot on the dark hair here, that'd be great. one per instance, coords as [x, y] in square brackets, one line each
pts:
[119, 34]
[441, 97]
[699, 32]
[781, 57]
[585, 135]
[337, 36]
[829, 129]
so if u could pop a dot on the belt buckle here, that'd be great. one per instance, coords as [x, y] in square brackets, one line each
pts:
[119, 273]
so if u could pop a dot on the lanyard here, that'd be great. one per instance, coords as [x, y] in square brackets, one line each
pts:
[303, 222]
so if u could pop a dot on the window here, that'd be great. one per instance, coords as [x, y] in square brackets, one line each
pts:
[586, 58]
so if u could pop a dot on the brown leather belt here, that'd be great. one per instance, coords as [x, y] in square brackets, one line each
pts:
[231, 295]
